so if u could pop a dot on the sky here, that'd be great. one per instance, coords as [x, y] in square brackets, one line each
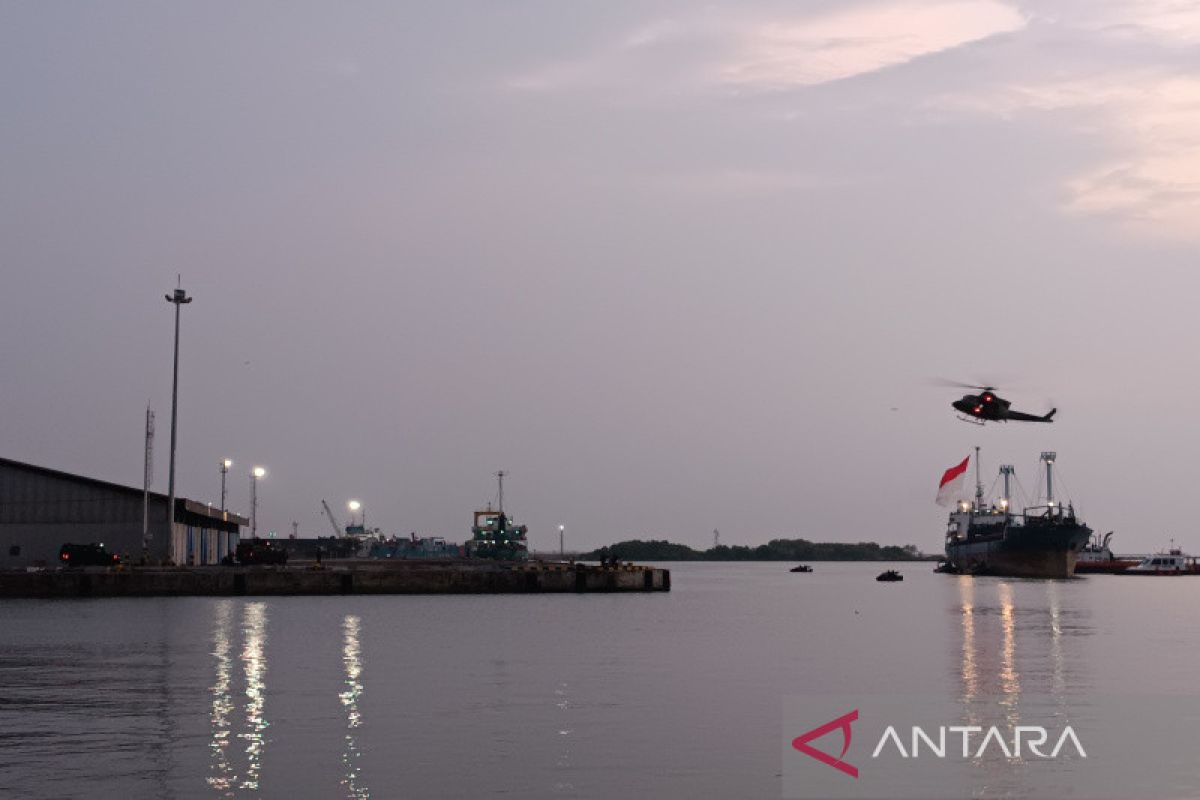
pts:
[674, 266]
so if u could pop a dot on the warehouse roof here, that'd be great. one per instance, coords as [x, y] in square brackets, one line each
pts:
[181, 504]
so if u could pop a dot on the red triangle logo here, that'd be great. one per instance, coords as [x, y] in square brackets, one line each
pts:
[842, 723]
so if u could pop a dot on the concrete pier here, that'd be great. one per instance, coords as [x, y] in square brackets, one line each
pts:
[345, 577]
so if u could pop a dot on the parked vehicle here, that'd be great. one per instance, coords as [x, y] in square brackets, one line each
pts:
[261, 551]
[87, 555]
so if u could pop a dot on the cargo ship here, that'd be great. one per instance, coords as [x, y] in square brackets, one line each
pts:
[1042, 541]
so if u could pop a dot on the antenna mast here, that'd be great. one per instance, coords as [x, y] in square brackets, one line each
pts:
[147, 479]
[978, 483]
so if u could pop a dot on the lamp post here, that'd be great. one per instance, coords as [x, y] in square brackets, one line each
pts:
[561, 551]
[255, 474]
[178, 299]
[224, 467]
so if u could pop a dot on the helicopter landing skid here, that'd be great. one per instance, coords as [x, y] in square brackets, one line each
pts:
[972, 420]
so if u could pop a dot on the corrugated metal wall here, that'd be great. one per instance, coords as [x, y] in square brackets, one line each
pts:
[29, 497]
[40, 511]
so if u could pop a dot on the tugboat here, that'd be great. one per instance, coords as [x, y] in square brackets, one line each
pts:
[801, 568]
[494, 536]
[1042, 542]
[889, 575]
[1097, 558]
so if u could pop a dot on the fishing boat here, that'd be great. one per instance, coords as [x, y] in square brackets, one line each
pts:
[801, 568]
[1043, 541]
[890, 575]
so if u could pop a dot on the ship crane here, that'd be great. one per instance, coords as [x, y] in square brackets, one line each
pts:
[337, 529]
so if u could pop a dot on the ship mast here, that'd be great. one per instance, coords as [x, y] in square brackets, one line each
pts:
[1048, 457]
[1007, 471]
[500, 480]
[978, 483]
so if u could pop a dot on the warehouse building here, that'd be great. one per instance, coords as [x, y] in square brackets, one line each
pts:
[42, 509]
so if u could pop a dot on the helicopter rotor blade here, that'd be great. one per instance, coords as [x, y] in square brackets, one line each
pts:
[961, 385]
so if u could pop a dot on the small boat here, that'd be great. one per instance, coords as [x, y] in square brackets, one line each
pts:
[890, 575]
[801, 568]
[1172, 562]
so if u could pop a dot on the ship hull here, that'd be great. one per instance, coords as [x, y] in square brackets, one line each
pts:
[1108, 567]
[1034, 551]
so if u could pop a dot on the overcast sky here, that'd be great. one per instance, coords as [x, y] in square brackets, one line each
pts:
[674, 266]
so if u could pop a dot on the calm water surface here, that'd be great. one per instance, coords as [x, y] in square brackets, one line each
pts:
[674, 695]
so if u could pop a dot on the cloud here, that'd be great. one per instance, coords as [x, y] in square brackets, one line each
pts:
[1167, 21]
[1150, 121]
[724, 50]
[1120, 73]
[1153, 187]
[856, 41]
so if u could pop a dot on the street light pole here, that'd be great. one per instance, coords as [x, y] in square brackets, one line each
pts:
[224, 467]
[561, 551]
[255, 474]
[178, 299]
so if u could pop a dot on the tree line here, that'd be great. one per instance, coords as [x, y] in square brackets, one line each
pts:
[774, 550]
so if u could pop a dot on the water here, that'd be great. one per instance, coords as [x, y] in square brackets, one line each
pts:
[658, 695]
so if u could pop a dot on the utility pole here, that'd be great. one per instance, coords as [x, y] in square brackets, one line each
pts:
[178, 299]
[147, 479]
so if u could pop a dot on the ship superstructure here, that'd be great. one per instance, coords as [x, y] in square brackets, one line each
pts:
[493, 534]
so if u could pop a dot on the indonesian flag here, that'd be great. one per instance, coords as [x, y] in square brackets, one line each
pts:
[950, 489]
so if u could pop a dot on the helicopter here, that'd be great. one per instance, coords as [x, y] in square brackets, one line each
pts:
[987, 406]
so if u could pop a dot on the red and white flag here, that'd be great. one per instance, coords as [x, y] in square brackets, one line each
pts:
[950, 489]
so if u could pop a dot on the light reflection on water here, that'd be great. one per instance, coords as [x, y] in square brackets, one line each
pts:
[352, 780]
[254, 665]
[1014, 660]
[222, 778]
[1058, 680]
[969, 671]
[1010, 678]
